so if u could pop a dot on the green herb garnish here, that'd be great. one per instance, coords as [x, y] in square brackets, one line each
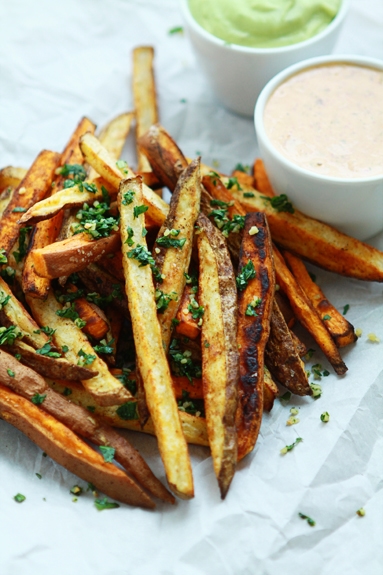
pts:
[310, 521]
[104, 503]
[346, 308]
[38, 399]
[9, 334]
[280, 203]
[287, 448]
[10, 373]
[85, 358]
[21, 252]
[128, 197]
[107, 453]
[95, 221]
[19, 498]
[167, 242]
[127, 410]
[247, 273]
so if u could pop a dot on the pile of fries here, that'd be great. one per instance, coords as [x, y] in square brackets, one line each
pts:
[118, 310]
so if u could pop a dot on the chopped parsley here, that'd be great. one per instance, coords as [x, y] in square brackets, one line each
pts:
[38, 475]
[308, 355]
[206, 343]
[19, 498]
[9, 334]
[286, 396]
[64, 348]
[67, 391]
[38, 399]
[182, 362]
[247, 273]
[46, 350]
[105, 195]
[346, 308]
[127, 410]
[176, 30]
[233, 181]
[326, 317]
[287, 448]
[18, 209]
[85, 358]
[143, 255]
[130, 233]
[3, 256]
[70, 313]
[280, 203]
[220, 203]
[107, 453]
[95, 221]
[241, 168]
[310, 521]
[123, 166]
[175, 322]
[137, 210]
[22, 251]
[104, 503]
[10, 373]
[105, 347]
[4, 299]
[75, 170]
[163, 300]
[128, 197]
[225, 224]
[197, 311]
[250, 309]
[130, 384]
[167, 242]
[248, 195]
[194, 407]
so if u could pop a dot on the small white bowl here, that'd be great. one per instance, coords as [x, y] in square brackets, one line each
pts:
[352, 205]
[237, 74]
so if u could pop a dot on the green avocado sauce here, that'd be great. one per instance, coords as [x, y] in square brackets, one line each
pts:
[264, 23]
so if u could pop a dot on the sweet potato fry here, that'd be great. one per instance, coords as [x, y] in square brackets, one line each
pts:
[106, 389]
[98, 157]
[151, 359]
[165, 157]
[32, 188]
[317, 242]
[72, 255]
[112, 263]
[173, 258]
[255, 302]
[194, 428]
[261, 180]
[281, 356]
[186, 325]
[220, 371]
[340, 329]
[144, 94]
[307, 314]
[100, 281]
[46, 232]
[64, 447]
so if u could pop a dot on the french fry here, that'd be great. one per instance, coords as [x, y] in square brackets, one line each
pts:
[307, 314]
[64, 447]
[261, 180]
[151, 359]
[340, 329]
[187, 326]
[270, 390]
[48, 366]
[173, 262]
[46, 232]
[106, 389]
[166, 159]
[98, 157]
[144, 94]
[72, 254]
[282, 358]
[10, 177]
[32, 188]
[255, 303]
[194, 428]
[5, 198]
[220, 371]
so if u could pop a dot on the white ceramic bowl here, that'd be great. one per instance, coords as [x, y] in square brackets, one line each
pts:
[352, 205]
[237, 74]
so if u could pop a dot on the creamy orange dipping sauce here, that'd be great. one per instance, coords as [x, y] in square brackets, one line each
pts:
[329, 120]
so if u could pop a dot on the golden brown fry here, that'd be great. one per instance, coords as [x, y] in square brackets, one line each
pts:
[11, 177]
[98, 157]
[5, 198]
[187, 326]
[151, 359]
[282, 358]
[72, 255]
[165, 157]
[255, 302]
[270, 390]
[46, 232]
[106, 389]
[173, 262]
[144, 94]
[64, 447]
[317, 242]
[220, 371]
[340, 329]
[32, 188]
[194, 428]
[307, 314]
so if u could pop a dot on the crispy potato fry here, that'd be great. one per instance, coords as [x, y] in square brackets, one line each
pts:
[64, 447]
[46, 232]
[173, 262]
[194, 428]
[255, 303]
[106, 389]
[5, 198]
[220, 370]
[281, 356]
[261, 180]
[49, 366]
[144, 94]
[340, 329]
[307, 314]
[151, 359]
[166, 159]
[98, 157]
[32, 188]
[270, 390]
[72, 255]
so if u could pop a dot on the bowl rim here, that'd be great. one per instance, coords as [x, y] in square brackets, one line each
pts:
[337, 21]
[277, 80]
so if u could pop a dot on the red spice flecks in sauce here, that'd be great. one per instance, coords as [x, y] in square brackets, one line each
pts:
[329, 120]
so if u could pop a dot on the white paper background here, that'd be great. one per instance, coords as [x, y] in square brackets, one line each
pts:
[58, 62]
